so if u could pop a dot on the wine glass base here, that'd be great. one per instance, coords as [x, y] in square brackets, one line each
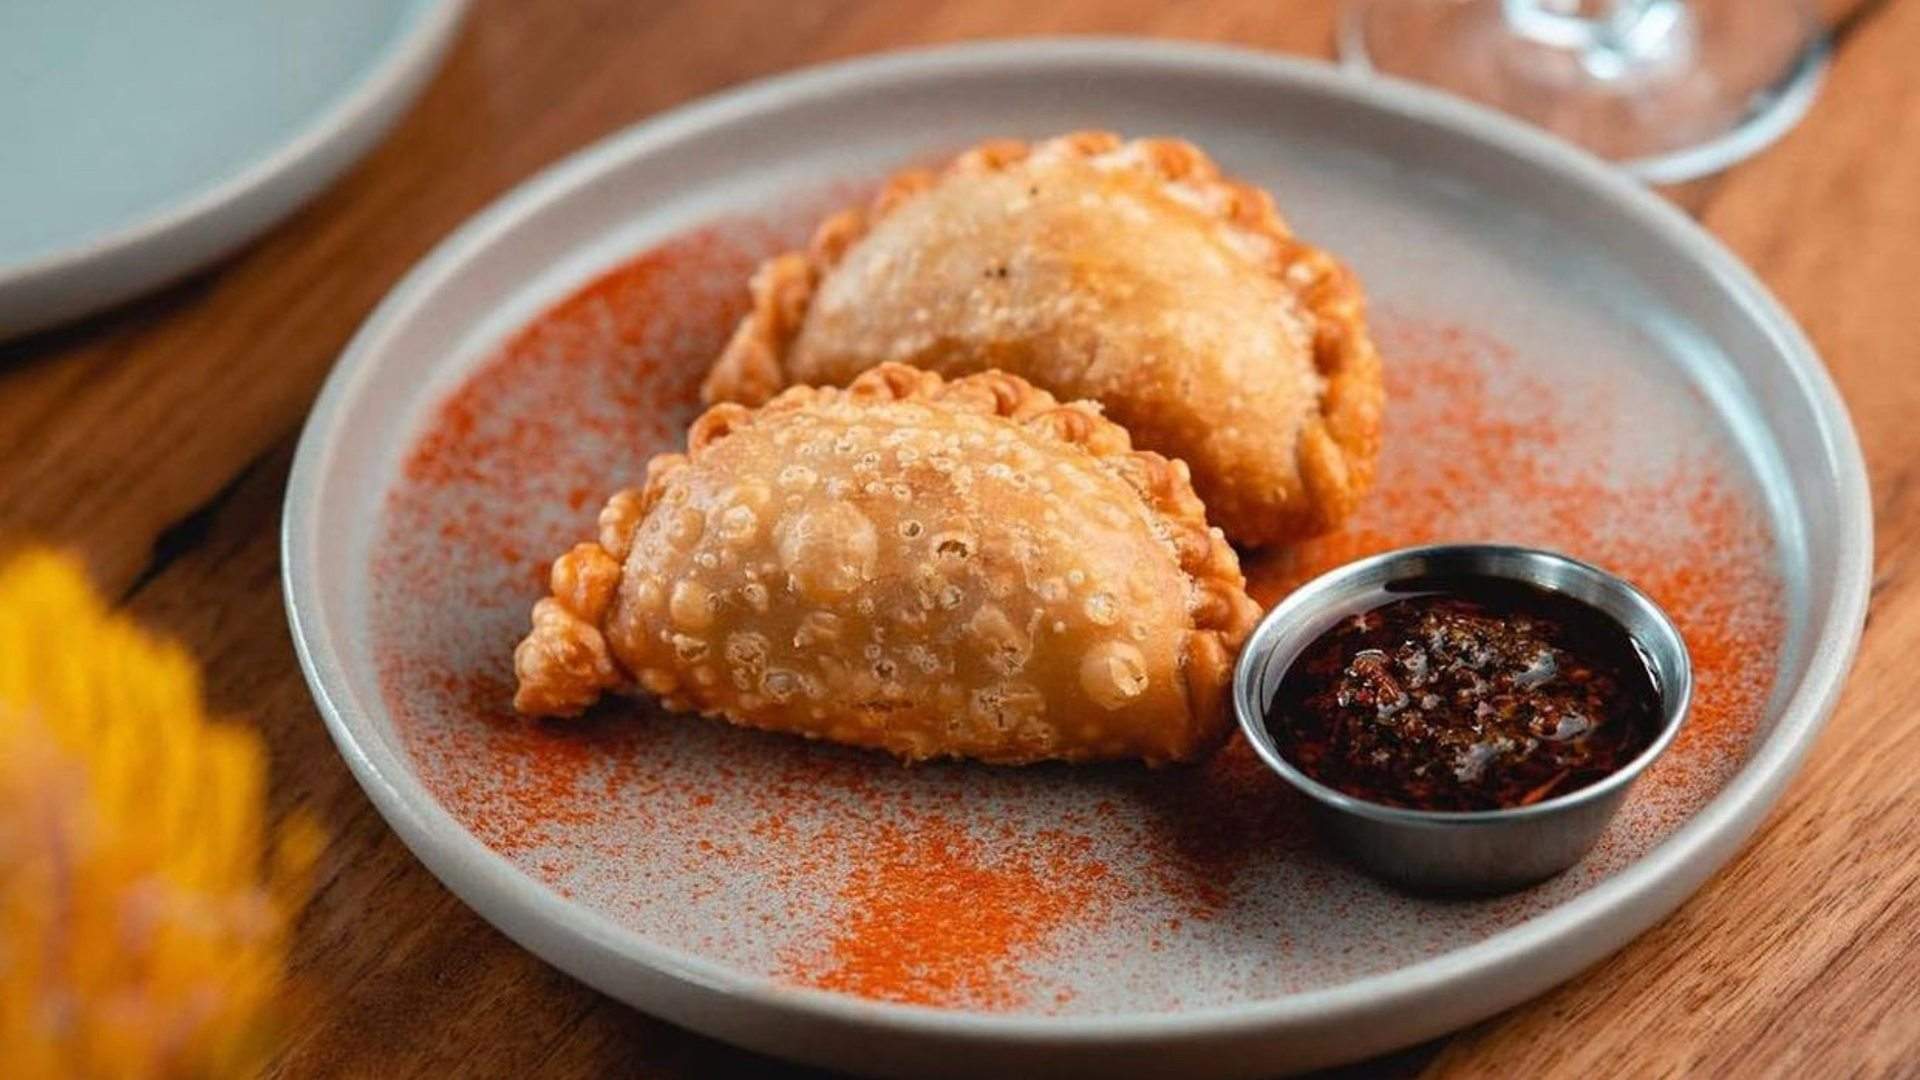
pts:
[1722, 82]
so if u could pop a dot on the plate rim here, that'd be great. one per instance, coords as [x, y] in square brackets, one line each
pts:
[351, 117]
[1646, 889]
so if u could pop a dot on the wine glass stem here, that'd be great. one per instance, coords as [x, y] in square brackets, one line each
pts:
[1611, 36]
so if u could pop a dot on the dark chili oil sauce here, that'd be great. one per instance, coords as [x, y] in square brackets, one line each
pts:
[1466, 693]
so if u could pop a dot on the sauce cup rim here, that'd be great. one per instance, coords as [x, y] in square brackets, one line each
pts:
[1298, 619]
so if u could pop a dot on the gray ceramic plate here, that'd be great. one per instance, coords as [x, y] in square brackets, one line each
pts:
[1573, 364]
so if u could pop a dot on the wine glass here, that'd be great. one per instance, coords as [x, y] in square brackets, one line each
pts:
[1670, 89]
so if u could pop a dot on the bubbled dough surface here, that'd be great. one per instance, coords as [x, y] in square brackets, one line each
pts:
[911, 578]
[1093, 284]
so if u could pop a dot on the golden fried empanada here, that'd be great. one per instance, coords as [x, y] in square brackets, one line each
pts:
[1132, 274]
[933, 568]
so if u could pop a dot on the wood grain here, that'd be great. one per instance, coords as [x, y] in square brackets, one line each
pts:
[155, 440]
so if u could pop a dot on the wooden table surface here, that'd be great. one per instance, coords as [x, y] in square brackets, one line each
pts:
[155, 441]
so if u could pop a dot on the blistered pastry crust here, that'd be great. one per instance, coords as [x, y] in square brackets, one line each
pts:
[736, 583]
[1337, 441]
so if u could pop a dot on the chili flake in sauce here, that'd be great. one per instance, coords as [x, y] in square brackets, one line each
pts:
[1481, 695]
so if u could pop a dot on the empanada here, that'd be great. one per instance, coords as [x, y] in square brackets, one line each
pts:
[933, 568]
[1132, 274]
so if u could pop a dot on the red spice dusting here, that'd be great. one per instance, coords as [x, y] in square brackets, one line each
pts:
[1465, 464]
[569, 407]
[951, 885]
[935, 916]
[1478, 448]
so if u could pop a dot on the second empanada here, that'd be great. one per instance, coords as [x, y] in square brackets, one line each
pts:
[1132, 274]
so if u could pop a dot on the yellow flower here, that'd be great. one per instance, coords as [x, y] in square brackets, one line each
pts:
[143, 918]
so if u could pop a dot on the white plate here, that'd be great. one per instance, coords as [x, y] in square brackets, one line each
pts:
[142, 140]
[1596, 372]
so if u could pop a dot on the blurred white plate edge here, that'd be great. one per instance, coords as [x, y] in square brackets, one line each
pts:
[180, 237]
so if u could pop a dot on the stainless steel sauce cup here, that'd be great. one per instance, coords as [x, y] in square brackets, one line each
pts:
[1478, 852]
